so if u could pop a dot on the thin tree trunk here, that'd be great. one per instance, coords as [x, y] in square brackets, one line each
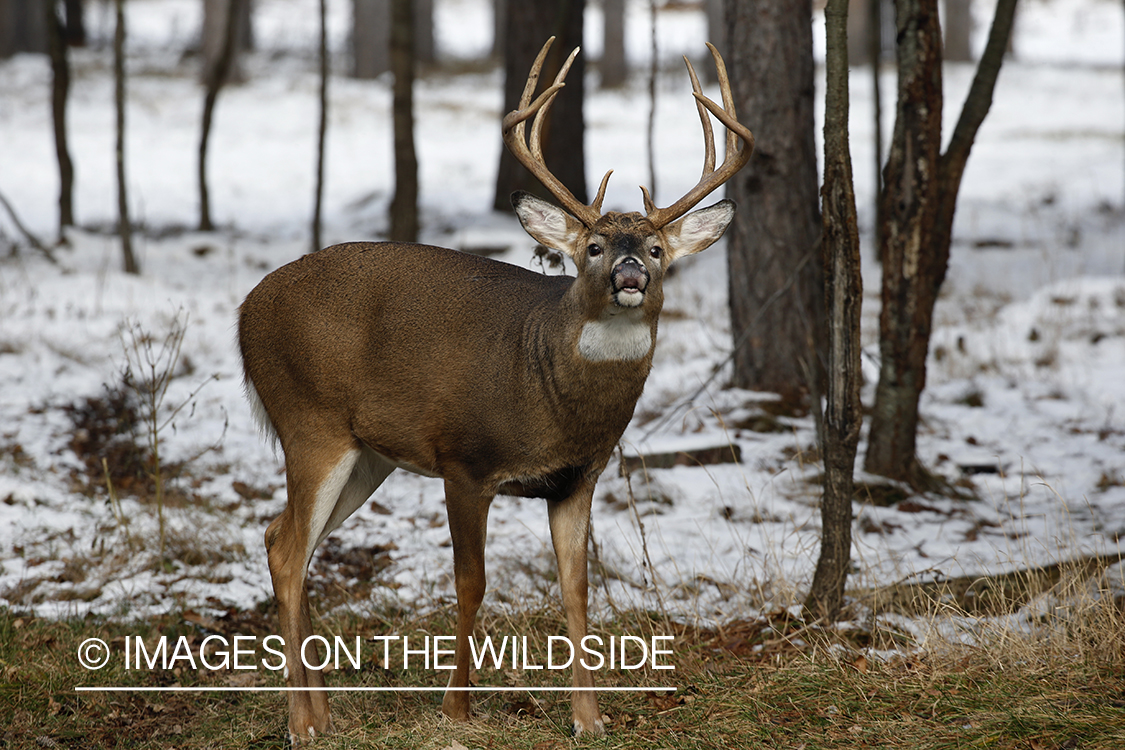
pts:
[404, 205]
[613, 66]
[919, 201]
[60, 90]
[958, 30]
[977, 103]
[322, 129]
[650, 126]
[909, 211]
[875, 9]
[528, 25]
[774, 240]
[124, 227]
[843, 301]
[217, 76]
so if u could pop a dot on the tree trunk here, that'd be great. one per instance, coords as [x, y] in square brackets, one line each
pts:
[716, 34]
[404, 205]
[217, 75]
[529, 24]
[958, 23]
[371, 49]
[60, 89]
[919, 200]
[843, 301]
[774, 255]
[23, 27]
[322, 129]
[859, 31]
[124, 227]
[217, 19]
[875, 55]
[613, 66]
[371, 36]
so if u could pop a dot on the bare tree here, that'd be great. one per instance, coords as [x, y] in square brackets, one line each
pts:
[57, 43]
[217, 17]
[958, 30]
[613, 66]
[124, 227]
[919, 200]
[843, 302]
[322, 128]
[773, 250]
[404, 205]
[528, 25]
[371, 36]
[217, 76]
[23, 27]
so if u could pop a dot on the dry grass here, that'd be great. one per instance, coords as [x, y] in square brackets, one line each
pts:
[1056, 682]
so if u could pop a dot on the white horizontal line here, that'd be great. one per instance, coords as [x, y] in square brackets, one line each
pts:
[477, 689]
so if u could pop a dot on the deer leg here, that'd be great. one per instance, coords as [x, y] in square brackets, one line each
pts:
[467, 509]
[570, 529]
[315, 480]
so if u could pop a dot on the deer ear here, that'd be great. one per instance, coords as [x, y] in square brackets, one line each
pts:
[547, 223]
[698, 230]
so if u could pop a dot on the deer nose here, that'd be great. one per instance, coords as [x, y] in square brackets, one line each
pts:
[630, 274]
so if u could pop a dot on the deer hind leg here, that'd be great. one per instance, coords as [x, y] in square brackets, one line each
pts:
[467, 508]
[325, 486]
[570, 529]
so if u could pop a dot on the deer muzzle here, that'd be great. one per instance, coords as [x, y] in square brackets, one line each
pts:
[629, 281]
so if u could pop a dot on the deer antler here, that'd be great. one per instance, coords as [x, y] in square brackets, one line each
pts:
[736, 154]
[532, 158]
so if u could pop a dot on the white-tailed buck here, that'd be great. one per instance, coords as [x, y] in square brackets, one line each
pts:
[369, 357]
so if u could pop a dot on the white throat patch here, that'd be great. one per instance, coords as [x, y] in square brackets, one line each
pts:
[620, 337]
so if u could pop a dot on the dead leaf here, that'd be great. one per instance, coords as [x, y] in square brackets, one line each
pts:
[860, 664]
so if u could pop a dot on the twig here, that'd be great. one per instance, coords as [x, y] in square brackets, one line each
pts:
[31, 238]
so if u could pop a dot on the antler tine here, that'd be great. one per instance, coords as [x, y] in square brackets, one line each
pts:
[734, 159]
[708, 134]
[541, 115]
[532, 157]
[728, 98]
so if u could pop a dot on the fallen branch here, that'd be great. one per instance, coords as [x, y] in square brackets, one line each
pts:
[31, 238]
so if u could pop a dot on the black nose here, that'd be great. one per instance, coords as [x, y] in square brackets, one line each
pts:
[630, 274]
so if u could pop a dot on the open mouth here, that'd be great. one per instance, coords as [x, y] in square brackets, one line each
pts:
[629, 281]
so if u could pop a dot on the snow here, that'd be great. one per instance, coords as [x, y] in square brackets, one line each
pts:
[1025, 383]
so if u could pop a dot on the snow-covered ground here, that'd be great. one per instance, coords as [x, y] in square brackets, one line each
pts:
[1026, 396]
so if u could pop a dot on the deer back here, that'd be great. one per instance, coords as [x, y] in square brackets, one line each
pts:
[435, 358]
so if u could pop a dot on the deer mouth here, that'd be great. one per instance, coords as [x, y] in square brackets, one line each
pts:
[629, 279]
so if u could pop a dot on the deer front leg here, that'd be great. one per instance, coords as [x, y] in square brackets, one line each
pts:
[570, 529]
[467, 508]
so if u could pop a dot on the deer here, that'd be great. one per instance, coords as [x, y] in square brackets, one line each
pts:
[364, 358]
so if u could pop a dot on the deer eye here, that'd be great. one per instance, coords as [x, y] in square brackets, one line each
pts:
[593, 250]
[656, 251]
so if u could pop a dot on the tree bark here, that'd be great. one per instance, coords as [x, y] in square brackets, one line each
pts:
[60, 90]
[919, 201]
[322, 128]
[404, 205]
[217, 75]
[371, 36]
[124, 226]
[528, 25]
[23, 27]
[774, 241]
[843, 301]
[958, 25]
[217, 19]
[613, 66]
